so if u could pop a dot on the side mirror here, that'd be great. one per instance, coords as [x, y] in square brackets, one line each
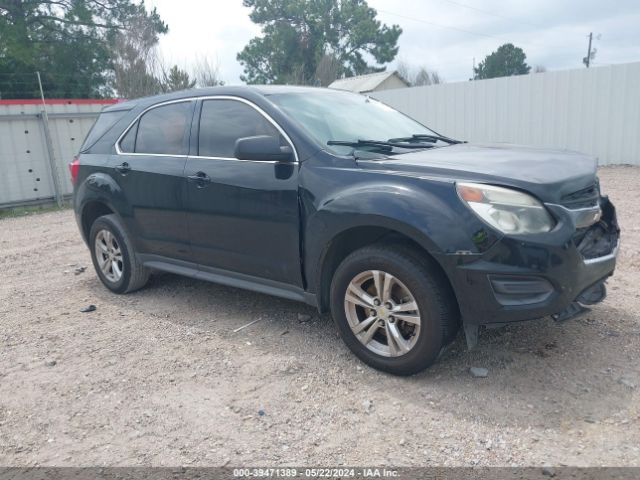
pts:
[264, 148]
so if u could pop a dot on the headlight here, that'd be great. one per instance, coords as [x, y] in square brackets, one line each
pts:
[507, 210]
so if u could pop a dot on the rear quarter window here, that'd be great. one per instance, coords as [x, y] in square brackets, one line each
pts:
[103, 124]
[128, 143]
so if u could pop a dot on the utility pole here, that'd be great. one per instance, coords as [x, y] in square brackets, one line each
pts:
[586, 60]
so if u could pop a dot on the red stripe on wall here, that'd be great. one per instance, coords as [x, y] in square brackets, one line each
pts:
[61, 101]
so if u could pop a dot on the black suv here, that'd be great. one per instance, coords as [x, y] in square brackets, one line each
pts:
[339, 201]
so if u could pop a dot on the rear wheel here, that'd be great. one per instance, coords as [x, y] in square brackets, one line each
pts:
[393, 312]
[113, 256]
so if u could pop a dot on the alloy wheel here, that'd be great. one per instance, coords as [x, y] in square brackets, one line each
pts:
[109, 255]
[382, 313]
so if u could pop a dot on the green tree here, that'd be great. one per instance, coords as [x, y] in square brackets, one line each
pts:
[68, 41]
[299, 35]
[507, 60]
[177, 79]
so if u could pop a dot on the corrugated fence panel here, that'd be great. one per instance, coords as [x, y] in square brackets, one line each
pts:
[23, 157]
[67, 134]
[595, 110]
[25, 168]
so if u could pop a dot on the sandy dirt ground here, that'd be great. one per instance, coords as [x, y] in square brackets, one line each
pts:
[160, 378]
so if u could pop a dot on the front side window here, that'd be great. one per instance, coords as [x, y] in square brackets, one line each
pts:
[162, 130]
[222, 122]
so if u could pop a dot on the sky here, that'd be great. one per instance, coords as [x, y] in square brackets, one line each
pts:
[442, 35]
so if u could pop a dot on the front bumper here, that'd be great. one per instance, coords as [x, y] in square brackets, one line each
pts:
[522, 278]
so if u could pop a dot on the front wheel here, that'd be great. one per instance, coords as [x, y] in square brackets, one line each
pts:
[393, 312]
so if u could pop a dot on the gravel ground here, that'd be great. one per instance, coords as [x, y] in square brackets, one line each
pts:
[160, 378]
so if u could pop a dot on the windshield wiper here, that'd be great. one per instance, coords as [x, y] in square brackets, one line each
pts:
[382, 145]
[426, 138]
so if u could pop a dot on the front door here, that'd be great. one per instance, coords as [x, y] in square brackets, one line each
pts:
[242, 215]
[149, 169]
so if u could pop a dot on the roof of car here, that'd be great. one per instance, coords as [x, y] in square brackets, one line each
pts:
[223, 90]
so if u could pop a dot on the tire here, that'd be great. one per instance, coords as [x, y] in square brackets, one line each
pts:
[451, 327]
[421, 333]
[110, 246]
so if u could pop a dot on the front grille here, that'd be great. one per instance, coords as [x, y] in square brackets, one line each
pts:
[585, 198]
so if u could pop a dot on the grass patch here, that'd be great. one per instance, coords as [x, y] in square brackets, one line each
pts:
[31, 210]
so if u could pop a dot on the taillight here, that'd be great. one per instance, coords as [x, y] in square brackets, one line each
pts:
[73, 168]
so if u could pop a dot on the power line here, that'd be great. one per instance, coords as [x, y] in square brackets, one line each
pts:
[439, 25]
[486, 12]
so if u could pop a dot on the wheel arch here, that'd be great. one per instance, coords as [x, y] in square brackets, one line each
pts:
[351, 239]
[91, 211]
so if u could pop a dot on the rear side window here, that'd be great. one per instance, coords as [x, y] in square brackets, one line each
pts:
[222, 122]
[105, 121]
[162, 130]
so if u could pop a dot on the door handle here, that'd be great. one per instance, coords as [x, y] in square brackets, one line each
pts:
[201, 179]
[123, 168]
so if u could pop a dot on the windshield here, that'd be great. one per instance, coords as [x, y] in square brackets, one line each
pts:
[335, 115]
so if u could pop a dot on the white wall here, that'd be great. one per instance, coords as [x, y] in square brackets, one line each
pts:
[595, 110]
[26, 173]
[390, 83]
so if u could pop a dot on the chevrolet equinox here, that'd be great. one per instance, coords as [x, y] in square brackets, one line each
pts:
[339, 201]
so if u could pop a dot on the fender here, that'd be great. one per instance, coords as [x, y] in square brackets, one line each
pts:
[99, 187]
[428, 212]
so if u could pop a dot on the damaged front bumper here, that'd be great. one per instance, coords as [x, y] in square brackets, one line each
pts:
[527, 277]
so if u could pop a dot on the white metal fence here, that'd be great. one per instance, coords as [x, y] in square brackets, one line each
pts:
[34, 152]
[594, 110]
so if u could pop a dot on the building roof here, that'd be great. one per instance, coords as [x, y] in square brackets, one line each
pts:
[364, 83]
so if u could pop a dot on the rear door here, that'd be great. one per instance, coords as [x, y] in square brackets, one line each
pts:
[244, 216]
[149, 168]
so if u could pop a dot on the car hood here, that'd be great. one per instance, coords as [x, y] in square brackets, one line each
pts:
[548, 174]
